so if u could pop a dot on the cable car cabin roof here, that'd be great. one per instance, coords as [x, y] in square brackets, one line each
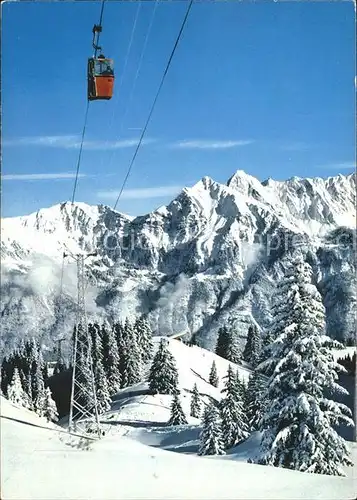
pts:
[99, 67]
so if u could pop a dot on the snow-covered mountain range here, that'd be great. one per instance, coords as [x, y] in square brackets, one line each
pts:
[213, 254]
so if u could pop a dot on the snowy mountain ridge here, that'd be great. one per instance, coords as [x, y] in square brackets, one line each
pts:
[214, 253]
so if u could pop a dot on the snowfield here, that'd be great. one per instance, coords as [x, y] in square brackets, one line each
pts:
[141, 457]
[134, 404]
[36, 464]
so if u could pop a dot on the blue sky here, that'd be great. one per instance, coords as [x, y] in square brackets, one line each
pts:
[263, 87]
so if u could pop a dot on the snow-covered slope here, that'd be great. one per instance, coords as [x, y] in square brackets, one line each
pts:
[214, 253]
[135, 404]
[135, 459]
[142, 457]
[142, 416]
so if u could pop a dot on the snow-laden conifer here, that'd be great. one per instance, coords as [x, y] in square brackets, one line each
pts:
[240, 387]
[110, 358]
[255, 399]
[130, 362]
[298, 424]
[222, 342]
[49, 410]
[177, 416]
[211, 439]
[234, 421]
[37, 379]
[195, 407]
[227, 346]
[252, 350]
[95, 333]
[213, 376]
[144, 339]
[15, 391]
[102, 389]
[163, 377]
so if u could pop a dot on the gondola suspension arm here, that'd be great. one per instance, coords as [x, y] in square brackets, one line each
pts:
[97, 29]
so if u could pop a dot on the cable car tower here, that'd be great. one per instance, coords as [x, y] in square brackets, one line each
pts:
[83, 415]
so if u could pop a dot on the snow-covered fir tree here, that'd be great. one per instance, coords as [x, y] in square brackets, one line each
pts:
[252, 350]
[227, 346]
[15, 391]
[5, 368]
[45, 372]
[27, 385]
[49, 407]
[132, 371]
[240, 387]
[17, 359]
[95, 333]
[213, 376]
[282, 305]
[119, 333]
[255, 399]
[20, 361]
[234, 421]
[102, 389]
[27, 358]
[144, 339]
[298, 424]
[222, 341]
[177, 416]
[111, 361]
[118, 330]
[131, 360]
[163, 377]
[37, 379]
[211, 439]
[195, 407]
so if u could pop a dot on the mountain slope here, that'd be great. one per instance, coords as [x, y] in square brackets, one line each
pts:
[213, 254]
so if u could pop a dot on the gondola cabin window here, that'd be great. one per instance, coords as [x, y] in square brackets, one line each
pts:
[103, 67]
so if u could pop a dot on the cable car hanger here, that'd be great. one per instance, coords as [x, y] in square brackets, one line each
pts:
[97, 29]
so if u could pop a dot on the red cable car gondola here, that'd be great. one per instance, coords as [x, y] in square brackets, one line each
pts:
[100, 78]
[100, 72]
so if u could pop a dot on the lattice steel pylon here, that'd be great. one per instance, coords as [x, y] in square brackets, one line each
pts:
[83, 415]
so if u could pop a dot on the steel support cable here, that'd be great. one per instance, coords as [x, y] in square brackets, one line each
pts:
[100, 24]
[154, 103]
[80, 152]
[128, 102]
[13, 419]
[122, 77]
[142, 54]
[101, 13]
